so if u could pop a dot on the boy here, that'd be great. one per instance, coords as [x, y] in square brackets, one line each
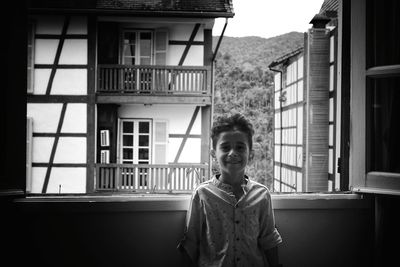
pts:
[230, 220]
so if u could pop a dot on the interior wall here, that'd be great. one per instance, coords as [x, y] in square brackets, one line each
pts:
[122, 233]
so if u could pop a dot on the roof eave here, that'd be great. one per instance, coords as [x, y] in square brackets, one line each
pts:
[142, 13]
[285, 57]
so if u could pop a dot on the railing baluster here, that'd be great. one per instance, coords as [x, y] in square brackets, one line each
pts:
[139, 177]
[133, 181]
[190, 81]
[152, 79]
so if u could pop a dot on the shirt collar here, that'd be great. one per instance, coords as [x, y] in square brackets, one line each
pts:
[228, 188]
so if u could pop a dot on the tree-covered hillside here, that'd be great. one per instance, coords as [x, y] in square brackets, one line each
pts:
[243, 83]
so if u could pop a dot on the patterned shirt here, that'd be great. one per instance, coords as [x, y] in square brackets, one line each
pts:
[223, 231]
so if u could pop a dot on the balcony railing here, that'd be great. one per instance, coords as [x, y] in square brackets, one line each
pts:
[149, 178]
[152, 79]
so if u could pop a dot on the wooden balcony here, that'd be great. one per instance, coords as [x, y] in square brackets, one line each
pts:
[141, 178]
[153, 84]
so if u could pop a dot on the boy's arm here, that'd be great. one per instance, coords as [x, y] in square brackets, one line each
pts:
[272, 257]
[188, 246]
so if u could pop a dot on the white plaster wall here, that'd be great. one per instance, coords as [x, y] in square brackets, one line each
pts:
[191, 152]
[75, 120]
[52, 24]
[38, 176]
[71, 150]
[41, 149]
[66, 82]
[195, 56]
[72, 180]
[178, 118]
[49, 24]
[182, 32]
[74, 52]
[45, 116]
[174, 54]
[45, 50]
[77, 25]
[70, 82]
[41, 79]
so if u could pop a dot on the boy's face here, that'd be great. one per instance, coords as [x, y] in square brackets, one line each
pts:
[232, 152]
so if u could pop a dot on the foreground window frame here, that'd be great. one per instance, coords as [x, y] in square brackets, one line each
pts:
[362, 179]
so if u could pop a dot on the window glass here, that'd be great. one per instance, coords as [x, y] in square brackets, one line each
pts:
[128, 127]
[144, 127]
[383, 116]
[143, 140]
[128, 140]
[383, 31]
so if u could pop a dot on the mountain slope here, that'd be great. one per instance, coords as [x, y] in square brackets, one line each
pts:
[243, 83]
[257, 50]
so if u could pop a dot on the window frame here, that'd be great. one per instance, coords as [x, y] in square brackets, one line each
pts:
[31, 48]
[135, 135]
[360, 180]
[137, 56]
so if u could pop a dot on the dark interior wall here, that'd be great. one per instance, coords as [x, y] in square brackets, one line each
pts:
[334, 237]
[387, 233]
[93, 234]
[123, 234]
[13, 97]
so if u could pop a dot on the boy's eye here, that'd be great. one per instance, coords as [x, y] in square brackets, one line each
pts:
[225, 148]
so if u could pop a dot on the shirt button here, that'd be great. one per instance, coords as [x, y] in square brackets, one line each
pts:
[237, 222]
[238, 259]
[237, 239]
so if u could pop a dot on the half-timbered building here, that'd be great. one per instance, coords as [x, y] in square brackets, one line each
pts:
[307, 111]
[358, 226]
[119, 94]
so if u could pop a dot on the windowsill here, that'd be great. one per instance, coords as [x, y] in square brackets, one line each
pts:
[376, 190]
[180, 202]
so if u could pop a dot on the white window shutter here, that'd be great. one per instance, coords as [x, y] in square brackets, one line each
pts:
[105, 138]
[29, 141]
[105, 156]
[161, 47]
[160, 142]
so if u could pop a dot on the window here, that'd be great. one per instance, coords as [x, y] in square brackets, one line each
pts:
[140, 47]
[288, 130]
[135, 144]
[137, 47]
[135, 141]
[375, 97]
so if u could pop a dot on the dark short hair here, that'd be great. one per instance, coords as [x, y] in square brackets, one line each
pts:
[231, 122]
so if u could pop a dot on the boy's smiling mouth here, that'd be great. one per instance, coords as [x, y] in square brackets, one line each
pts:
[233, 161]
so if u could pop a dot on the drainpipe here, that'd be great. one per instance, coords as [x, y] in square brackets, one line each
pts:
[280, 153]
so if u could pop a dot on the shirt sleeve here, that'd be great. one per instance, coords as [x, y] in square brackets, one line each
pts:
[269, 236]
[191, 238]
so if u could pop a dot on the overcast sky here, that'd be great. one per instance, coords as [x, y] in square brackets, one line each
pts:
[268, 18]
